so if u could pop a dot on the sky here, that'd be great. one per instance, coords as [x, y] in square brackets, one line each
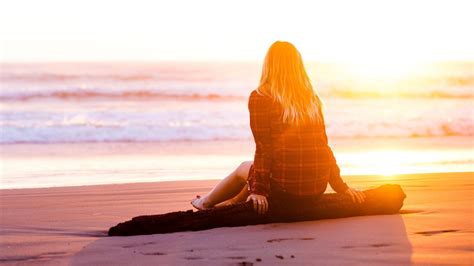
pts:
[205, 30]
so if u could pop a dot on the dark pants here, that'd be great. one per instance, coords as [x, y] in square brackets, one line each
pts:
[279, 195]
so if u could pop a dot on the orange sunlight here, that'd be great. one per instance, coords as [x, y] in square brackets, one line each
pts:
[359, 31]
[388, 163]
[382, 69]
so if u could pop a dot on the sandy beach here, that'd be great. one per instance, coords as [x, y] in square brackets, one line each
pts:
[68, 225]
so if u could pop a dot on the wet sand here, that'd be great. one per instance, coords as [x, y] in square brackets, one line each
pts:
[68, 225]
[30, 165]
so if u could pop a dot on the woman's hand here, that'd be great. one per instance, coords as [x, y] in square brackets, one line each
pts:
[260, 203]
[356, 195]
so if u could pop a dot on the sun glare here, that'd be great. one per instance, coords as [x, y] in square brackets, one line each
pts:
[390, 162]
[387, 163]
[379, 69]
[369, 31]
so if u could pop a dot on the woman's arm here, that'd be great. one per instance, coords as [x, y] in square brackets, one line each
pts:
[259, 108]
[335, 179]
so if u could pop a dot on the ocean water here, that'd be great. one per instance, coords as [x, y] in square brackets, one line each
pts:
[429, 108]
[109, 102]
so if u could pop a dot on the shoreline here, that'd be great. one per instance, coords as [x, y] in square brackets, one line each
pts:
[352, 177]
[78, 164]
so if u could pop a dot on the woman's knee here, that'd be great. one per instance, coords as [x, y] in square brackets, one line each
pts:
[243, 170]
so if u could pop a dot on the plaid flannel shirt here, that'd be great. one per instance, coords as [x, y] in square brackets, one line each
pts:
[296, 158]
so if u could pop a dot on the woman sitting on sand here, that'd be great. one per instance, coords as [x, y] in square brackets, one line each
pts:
[292, 156]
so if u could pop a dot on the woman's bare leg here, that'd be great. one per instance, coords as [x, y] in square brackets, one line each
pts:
[241, 197]
[226, 189]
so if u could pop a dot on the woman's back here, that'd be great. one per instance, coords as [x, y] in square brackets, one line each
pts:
[297, 156]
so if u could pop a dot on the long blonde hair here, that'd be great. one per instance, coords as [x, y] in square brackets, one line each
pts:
[284, 78]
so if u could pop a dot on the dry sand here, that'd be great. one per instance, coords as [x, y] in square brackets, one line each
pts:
[57, 226]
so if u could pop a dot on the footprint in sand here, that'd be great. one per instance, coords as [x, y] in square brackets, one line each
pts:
[245, 263]
[139, 245]
[376, 245]
[285, 239]
[380, 245]
[237, 257]
[153, 253]
[193, 258]
[436, 232]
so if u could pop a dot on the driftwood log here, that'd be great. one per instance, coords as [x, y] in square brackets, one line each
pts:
[386, 199]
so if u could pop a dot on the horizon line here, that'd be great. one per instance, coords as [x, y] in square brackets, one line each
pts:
[138, 61]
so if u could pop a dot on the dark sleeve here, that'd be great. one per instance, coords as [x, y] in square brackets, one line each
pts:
[335, 179]
[259, 108]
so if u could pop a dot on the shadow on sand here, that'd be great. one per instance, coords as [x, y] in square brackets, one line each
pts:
[378, 239]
